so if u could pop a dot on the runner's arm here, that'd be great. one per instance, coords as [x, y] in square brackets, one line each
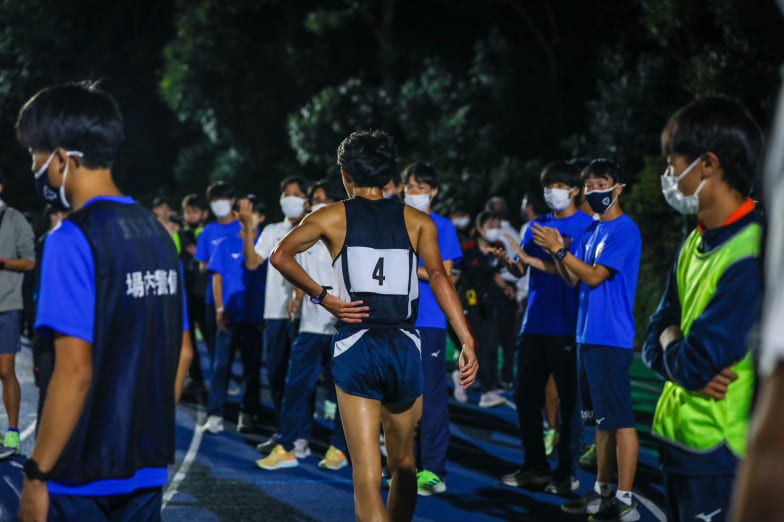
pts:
[446, 295]
[299, 239]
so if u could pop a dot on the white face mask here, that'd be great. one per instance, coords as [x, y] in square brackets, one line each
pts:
[221, 208]
[292, 206]
[557, 199]
[420, 202]
[493, 235]
[461, 222]
[686, 205]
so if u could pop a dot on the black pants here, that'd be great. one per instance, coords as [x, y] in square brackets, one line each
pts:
[484, 325]
[538, 357]
[196, 318]
[508, 326]
[210, 329]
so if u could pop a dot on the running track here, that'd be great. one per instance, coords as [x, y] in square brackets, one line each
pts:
[214, 477]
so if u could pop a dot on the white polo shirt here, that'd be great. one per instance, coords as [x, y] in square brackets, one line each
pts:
[317, 262]
[279, 292]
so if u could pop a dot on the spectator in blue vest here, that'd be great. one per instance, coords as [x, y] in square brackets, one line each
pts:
[420, 183]
[605, 264]
[221, 199]
[239, 295]
[546, 345]
[112, 299]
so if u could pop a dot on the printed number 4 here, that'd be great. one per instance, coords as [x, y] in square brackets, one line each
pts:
[378, 272]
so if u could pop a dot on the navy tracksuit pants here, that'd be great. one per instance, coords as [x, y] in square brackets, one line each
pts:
[433, 439]
[308, 354]
[279, 334]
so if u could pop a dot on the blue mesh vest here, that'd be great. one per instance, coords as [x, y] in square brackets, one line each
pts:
[128, 417]
[377, 264]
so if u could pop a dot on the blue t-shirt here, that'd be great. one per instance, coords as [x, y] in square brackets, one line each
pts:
[208, 241]
[430, 314]
[66, 305]
[243, 289]
[552, 304]
[605, 313]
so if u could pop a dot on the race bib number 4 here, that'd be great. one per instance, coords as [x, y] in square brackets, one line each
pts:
[375, 271]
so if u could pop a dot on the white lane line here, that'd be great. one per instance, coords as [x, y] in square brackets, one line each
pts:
[193, 449]
[652, 507]
[28, 430]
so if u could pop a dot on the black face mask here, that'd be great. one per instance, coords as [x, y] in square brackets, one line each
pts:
[601, 200]
[52, 195]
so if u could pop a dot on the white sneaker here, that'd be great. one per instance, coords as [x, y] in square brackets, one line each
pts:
[301, 448]
[213, 424]
[491, 399]
[459, 394]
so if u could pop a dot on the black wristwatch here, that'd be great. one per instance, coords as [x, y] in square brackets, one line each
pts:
[33, 472]
[316, 299]
[561, 254]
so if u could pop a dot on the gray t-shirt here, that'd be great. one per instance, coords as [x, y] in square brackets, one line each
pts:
[16, 242]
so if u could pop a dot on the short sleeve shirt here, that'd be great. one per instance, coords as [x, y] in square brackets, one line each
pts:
[279, 291]
[430, 314]
[208, 241]
[605, 313]
[243, 289]
[552, 304]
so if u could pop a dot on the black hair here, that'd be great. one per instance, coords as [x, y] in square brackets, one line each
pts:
[296, 180]
[369, 157]
[220, 190]
[602, 168]
[560, 172]
[330, 188]
[160, 200]
[422, 173]
[535, 198]
[75, 116]
[193, 200]
[722, 126]
[498, 207]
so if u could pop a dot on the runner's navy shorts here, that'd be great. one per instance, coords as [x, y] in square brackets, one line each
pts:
[605, 386]
[381, 363]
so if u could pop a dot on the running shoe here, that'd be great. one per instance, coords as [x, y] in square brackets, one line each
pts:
[551, 438]
[491, 399]
[588, 458]
[459, 392]
[301, 448]
[278, 458]
[526, 477]
[334, 459]
[615, 510]
[562, 487]
[428, 483]
[590, 504]
[213, 424]
[12, 442]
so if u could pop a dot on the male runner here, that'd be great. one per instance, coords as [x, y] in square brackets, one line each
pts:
[377, 364]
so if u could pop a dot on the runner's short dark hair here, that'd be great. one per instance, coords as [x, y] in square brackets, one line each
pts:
[75, 116]
[369, 157]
